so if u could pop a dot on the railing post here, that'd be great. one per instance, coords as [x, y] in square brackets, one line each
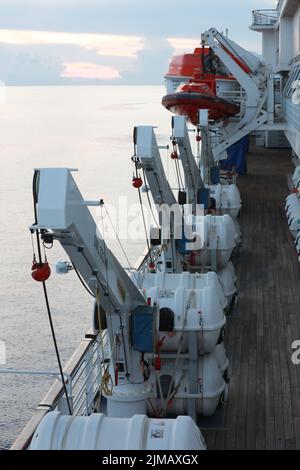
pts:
[99, 360]
[62, 404]
[88, 380]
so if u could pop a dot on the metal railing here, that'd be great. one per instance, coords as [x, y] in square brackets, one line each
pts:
[142, 264]
[264, 17]
[83, 375]
[236, 96]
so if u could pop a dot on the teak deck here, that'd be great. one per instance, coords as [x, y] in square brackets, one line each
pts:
[263, 410]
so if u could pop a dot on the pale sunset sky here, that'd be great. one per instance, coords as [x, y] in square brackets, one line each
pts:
[122, 42]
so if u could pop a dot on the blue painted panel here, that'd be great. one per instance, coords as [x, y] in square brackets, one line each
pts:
[237, 157]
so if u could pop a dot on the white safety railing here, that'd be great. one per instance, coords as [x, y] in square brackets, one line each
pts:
[237, 96]
[83, 377]
[264, 17]
[142, 264]
[87, 377]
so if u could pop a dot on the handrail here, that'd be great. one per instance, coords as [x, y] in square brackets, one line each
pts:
[142, 263]
[264, 17]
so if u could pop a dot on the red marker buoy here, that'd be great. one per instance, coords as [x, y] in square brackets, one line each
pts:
[137, 182]
[40, 271]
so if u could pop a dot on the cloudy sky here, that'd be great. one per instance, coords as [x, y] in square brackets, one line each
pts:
[52, 42]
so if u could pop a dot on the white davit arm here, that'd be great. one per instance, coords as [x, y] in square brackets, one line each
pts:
[254, 77]
[148, 152]
[148, 156]
[193, 180]
[245, 57]
[62, 210]
[238, 60]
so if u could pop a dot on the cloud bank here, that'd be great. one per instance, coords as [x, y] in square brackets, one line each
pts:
[110, 41]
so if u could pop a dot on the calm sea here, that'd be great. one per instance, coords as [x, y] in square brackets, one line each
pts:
[89, 128]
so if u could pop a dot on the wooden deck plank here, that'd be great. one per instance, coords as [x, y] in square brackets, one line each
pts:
[232, 412]
[251, 403]
[270, 434]
[297, 432]
[210, 439]
[260, 442]
[242, 409]
[269, 395]
[220, 439]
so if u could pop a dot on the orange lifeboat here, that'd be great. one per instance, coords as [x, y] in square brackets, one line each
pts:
[194, 96]
[200, 76]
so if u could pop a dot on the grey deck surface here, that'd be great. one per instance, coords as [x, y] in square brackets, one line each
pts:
[263, 411]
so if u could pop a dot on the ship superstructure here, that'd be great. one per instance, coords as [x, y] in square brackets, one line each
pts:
[280, 29]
